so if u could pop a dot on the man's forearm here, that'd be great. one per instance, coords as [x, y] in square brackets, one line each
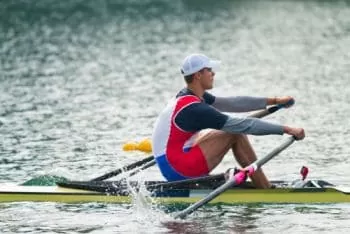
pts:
[239, 103]
[252, 126]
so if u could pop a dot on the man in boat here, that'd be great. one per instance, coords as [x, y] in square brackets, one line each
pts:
[183, 150]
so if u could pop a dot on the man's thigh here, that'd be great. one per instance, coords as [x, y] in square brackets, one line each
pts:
[214, 145]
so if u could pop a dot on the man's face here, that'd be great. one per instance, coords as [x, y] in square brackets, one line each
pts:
[207, 78]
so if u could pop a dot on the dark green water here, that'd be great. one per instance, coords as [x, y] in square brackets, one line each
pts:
[80, 78]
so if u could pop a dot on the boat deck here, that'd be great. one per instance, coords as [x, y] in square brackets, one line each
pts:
[111, 192]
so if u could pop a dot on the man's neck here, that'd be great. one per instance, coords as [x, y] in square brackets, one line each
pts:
[196, 90]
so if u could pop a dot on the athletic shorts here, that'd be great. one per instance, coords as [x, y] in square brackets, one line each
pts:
[189, 164]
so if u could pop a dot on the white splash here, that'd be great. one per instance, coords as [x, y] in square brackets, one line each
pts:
[144, 210]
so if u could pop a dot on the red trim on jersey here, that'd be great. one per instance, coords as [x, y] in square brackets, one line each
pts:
[191, 163]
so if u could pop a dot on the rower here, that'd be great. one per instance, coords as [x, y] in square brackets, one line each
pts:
[192, 135]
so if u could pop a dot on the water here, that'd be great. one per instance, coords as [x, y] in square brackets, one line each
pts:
[80, 78]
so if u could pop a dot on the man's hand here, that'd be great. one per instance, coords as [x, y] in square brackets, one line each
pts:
[298, 133]
[288, 100]
[284, 100]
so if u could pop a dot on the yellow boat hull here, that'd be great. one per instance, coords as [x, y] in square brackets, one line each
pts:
[232, 196]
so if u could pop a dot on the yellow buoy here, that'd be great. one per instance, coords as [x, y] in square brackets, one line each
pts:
[129, 146]
[145, 145]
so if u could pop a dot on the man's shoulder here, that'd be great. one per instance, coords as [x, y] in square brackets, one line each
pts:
[208, 98]
[188, 100]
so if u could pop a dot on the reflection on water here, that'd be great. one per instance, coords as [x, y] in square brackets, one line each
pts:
[236, 219]
[185, 227]
[263, 218]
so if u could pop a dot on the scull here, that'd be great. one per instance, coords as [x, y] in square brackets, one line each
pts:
[190, 191]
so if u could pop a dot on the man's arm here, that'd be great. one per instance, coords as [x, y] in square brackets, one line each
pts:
[239, 103]
[251, 126]
[199, 116]
[246, 103]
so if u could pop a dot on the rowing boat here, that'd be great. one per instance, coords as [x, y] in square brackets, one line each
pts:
[187, 191]
[213, 189]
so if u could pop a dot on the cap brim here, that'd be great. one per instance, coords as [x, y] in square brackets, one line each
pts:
[214, 64]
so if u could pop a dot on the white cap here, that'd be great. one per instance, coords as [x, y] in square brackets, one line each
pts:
[196, 62]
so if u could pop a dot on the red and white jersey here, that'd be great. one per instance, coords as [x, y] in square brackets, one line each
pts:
[168, 138]
[175, 131]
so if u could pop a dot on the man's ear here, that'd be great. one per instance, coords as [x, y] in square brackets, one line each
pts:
[198, 75]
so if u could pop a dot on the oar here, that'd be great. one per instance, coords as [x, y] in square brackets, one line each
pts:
[259, 114]
[145, 166]
[125, 168]
[272, 109]
[236, 179]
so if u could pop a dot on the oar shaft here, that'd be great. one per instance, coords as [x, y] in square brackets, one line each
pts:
[126, 168]
[266, 112]
[235, 180]
[275, 152]
[271, 110]
[145, 166]
[189, 210]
